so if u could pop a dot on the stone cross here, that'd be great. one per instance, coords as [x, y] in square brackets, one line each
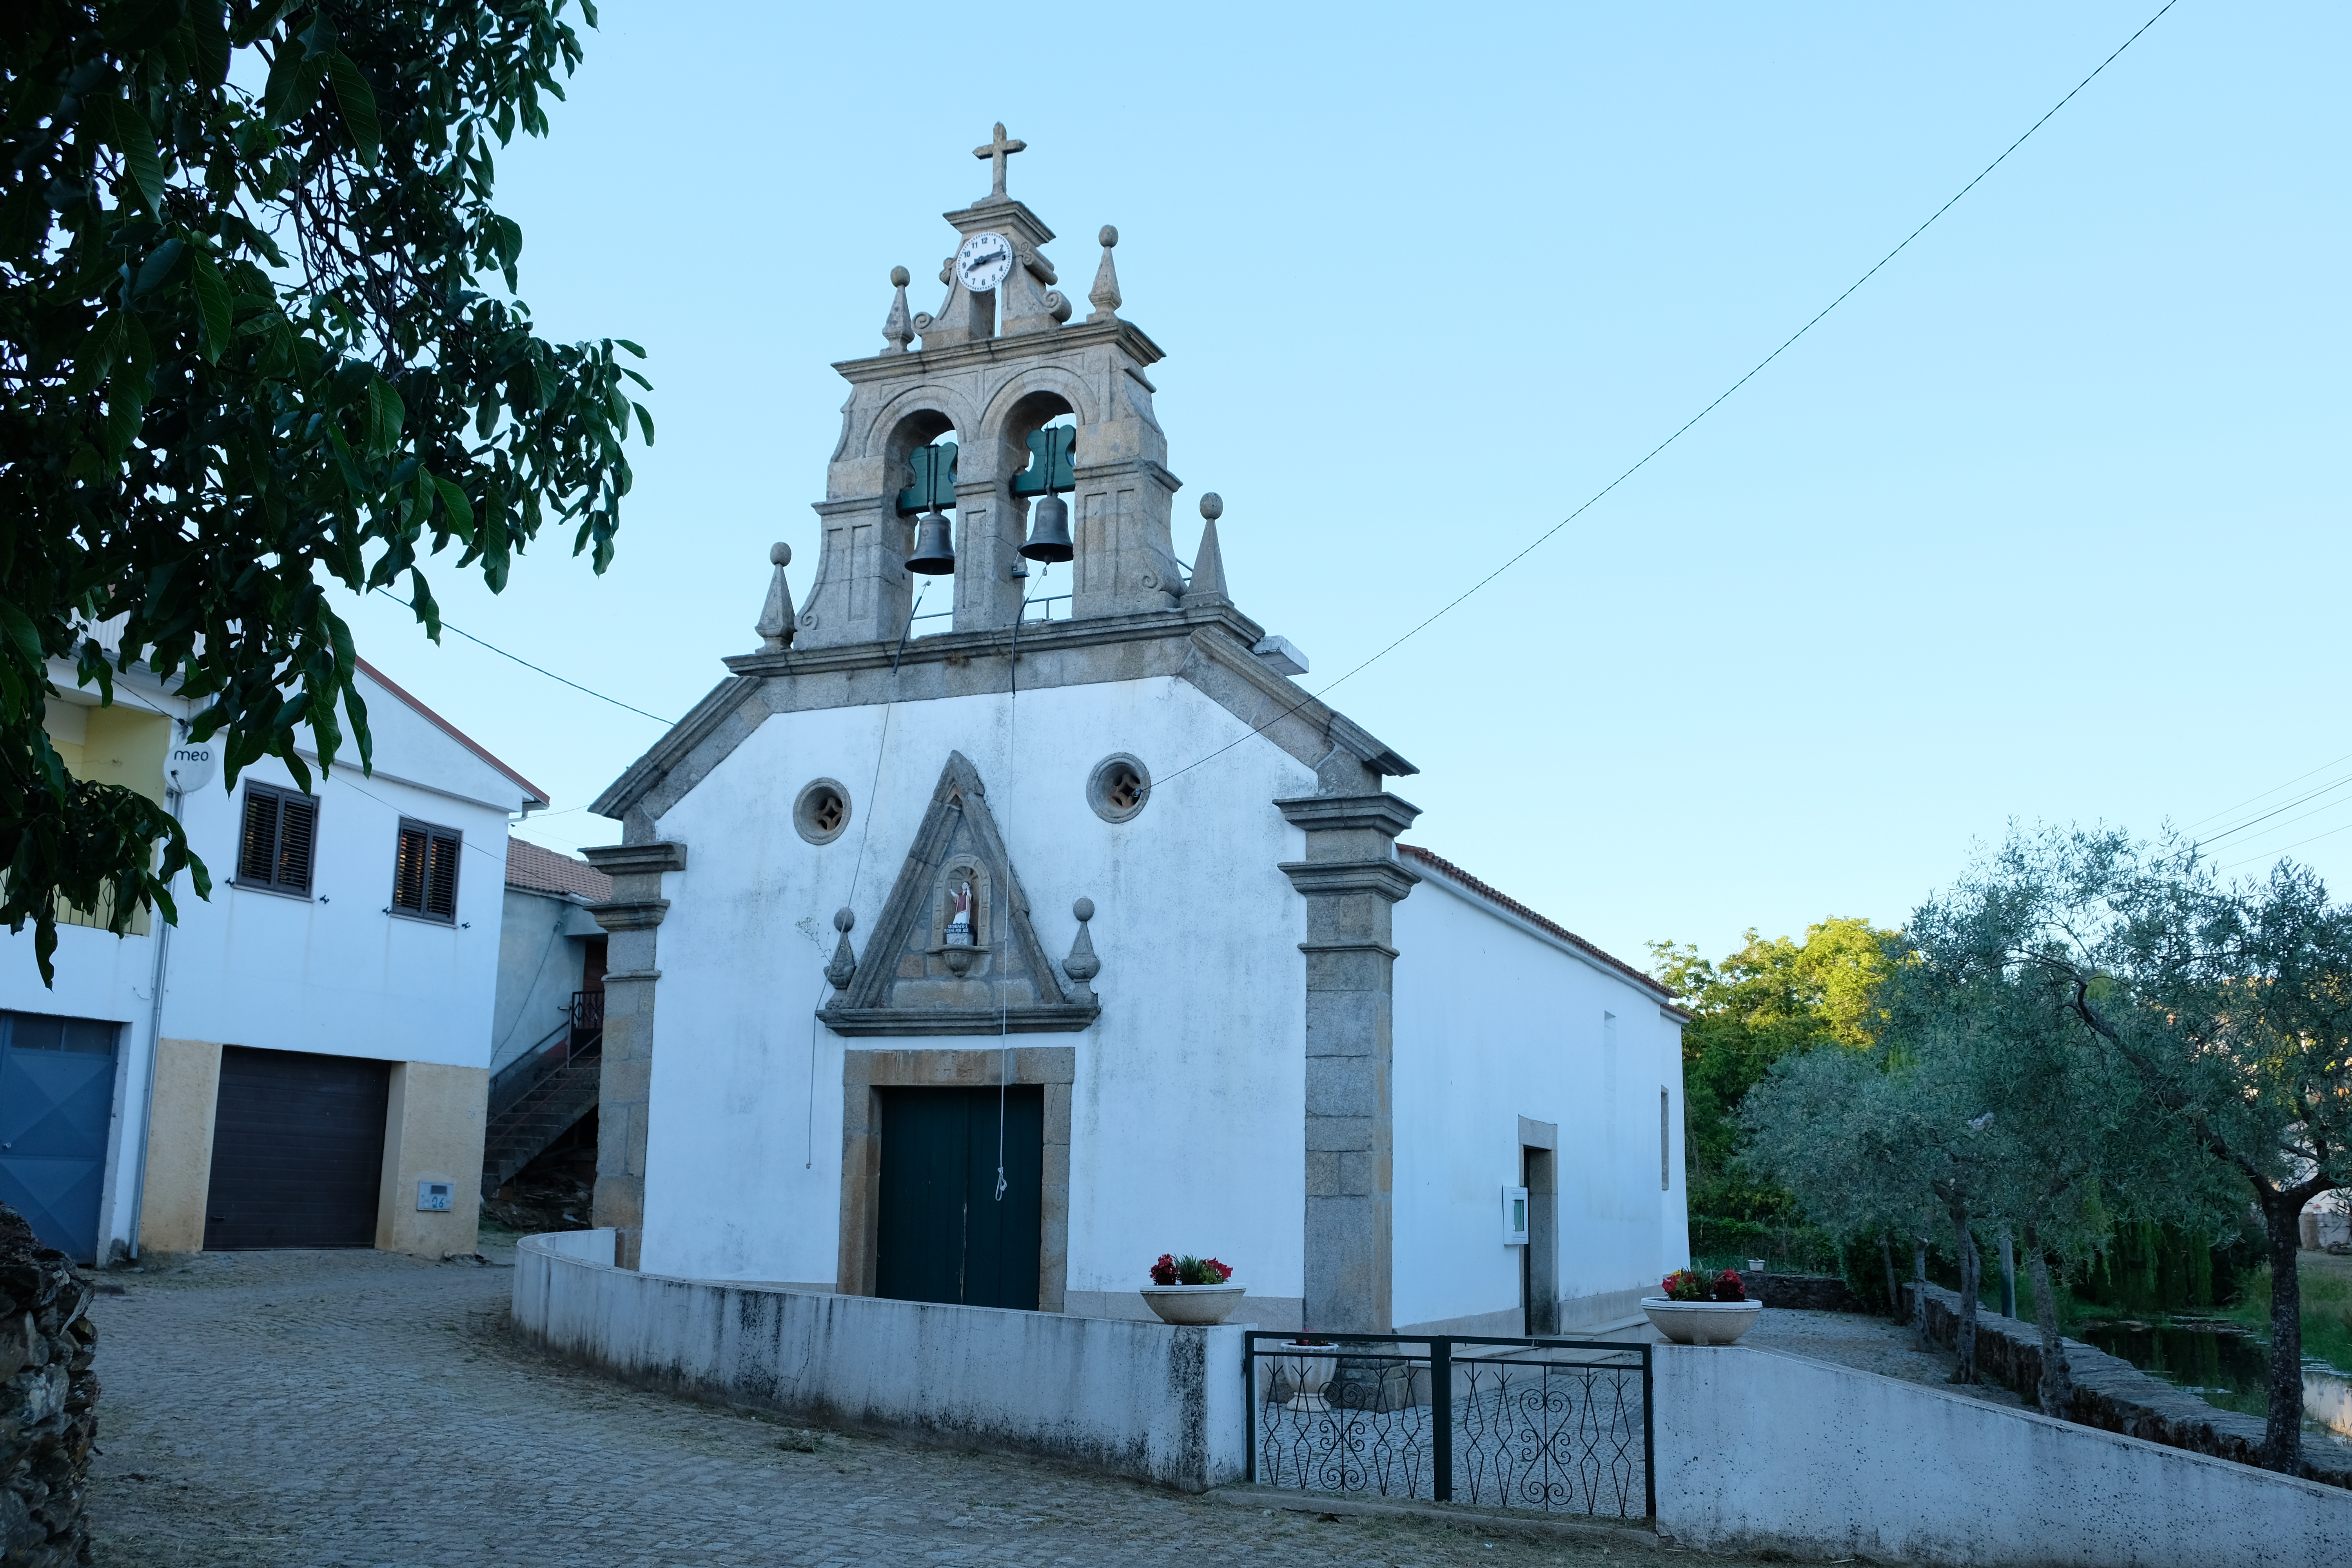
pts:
[997, 151]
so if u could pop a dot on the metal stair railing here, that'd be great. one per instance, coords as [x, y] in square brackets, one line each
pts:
[580, 1034]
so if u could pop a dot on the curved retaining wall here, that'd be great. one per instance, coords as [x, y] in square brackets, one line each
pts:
[1757, 1451]
[1138, 1399]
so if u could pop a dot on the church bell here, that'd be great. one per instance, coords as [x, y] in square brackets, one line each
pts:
[934, 554]
[1049, 531]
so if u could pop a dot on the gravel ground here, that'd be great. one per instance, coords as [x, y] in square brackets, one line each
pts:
[323, 1409]
[1867, 1343]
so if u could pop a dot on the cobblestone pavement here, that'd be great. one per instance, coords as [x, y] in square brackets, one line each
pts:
[325, 1409]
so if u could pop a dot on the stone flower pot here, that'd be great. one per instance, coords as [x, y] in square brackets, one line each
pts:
[1193, 1304]
[1700, 1323]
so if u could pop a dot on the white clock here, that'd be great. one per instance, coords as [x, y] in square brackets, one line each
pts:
[983, 261]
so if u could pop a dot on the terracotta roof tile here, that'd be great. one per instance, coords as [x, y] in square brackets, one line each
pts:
[539, 870]
[1502, 901]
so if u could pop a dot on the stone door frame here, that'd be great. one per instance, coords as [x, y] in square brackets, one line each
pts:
[863, 1072]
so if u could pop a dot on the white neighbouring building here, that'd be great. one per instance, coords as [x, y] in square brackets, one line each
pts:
[317, 1058]
[929, 983]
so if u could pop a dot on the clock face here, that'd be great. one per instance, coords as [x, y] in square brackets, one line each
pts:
[983, 261]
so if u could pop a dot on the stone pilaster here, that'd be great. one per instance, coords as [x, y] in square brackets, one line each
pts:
[1352, 882]
[625, 1099]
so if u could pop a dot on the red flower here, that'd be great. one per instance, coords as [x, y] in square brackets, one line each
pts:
[1164, 1271]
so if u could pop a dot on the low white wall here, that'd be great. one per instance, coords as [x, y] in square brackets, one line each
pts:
[1759, 1450]
[1146, 1400]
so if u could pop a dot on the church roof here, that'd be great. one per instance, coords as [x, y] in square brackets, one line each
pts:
[1509, 905]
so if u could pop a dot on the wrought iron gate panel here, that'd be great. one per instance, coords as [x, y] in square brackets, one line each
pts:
[1555, 1425]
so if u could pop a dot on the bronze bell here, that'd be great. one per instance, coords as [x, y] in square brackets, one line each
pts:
[934, 554]
[1049, 531]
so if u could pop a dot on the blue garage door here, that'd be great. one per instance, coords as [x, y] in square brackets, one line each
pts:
[57, 1097]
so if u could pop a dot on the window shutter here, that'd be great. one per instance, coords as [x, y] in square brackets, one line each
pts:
[408, 869]
[257, 856]
[441, 882]
[296, 836]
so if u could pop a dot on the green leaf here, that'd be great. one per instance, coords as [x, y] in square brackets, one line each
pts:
[215, 313]
[385, 416]
[357, 101]
[131, 135]
[461, 511]
[293, 85]
[158, 267]
[20, 630]
[646, 421]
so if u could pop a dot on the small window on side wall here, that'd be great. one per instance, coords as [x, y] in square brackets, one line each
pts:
[424, 871]
[276, 843]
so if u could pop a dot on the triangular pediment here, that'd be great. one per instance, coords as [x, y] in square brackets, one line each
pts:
[954, 951]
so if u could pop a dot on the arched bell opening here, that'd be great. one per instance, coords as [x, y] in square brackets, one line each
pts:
[921, 474]
[1041, 450]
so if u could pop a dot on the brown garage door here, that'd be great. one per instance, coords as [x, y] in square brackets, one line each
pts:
[298, 1150]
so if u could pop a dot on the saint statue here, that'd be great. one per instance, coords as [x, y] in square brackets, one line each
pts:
[958, 932]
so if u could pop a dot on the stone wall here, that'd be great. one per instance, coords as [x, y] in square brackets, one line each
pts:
[1803, 1292]
[1147, 1400]
[2113, 1394]
[49, 1400]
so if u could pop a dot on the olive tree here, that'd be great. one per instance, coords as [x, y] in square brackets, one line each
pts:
[252, 344]
[2232, 1005]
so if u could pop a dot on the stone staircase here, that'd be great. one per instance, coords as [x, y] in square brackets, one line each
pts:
[539, 1115]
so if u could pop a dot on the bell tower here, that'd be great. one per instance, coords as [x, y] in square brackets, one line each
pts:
[945, 457]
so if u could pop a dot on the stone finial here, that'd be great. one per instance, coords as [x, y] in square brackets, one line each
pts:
[775, 627]
[1082, 965]
[1207, 588]
[844, 967]
[1103, 296]
[899, 330]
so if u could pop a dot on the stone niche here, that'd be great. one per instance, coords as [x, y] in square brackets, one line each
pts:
[954, 951]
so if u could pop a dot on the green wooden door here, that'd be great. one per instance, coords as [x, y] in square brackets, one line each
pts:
[942, 1234]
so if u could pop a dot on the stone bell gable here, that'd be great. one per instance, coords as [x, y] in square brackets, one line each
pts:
[992, 368]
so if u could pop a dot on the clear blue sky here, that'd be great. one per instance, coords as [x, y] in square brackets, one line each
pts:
[2047, 521]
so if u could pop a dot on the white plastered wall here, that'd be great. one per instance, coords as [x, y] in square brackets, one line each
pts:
[1494, 1022]
[332, 974]
[1189, 1097]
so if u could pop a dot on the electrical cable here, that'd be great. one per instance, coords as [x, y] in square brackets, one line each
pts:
[2290, 806]
[1012, 795]
[856, 867]
[528, 665]
[2266, 793]
[1643, 461]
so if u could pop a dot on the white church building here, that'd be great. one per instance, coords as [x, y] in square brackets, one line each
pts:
[985, 964]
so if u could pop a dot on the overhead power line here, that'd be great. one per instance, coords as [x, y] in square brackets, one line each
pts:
[1643, 461]
[528, 665]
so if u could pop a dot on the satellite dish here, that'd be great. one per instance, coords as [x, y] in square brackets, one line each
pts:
[193, 764]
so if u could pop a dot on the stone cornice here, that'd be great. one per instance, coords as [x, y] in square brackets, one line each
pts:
[634, 860]
[1321, 877]
[1033, 1020]
[666, 752]
[1123, 335]
[1036, 637]
[630, 914]
[1382, 813]
[1207, 646]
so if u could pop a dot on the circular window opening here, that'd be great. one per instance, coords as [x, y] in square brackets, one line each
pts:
[1118, 788]
[821, 812]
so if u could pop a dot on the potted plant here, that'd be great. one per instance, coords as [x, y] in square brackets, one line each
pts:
[1300, 1379]
[1191, 1290]
[1698, 1311]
